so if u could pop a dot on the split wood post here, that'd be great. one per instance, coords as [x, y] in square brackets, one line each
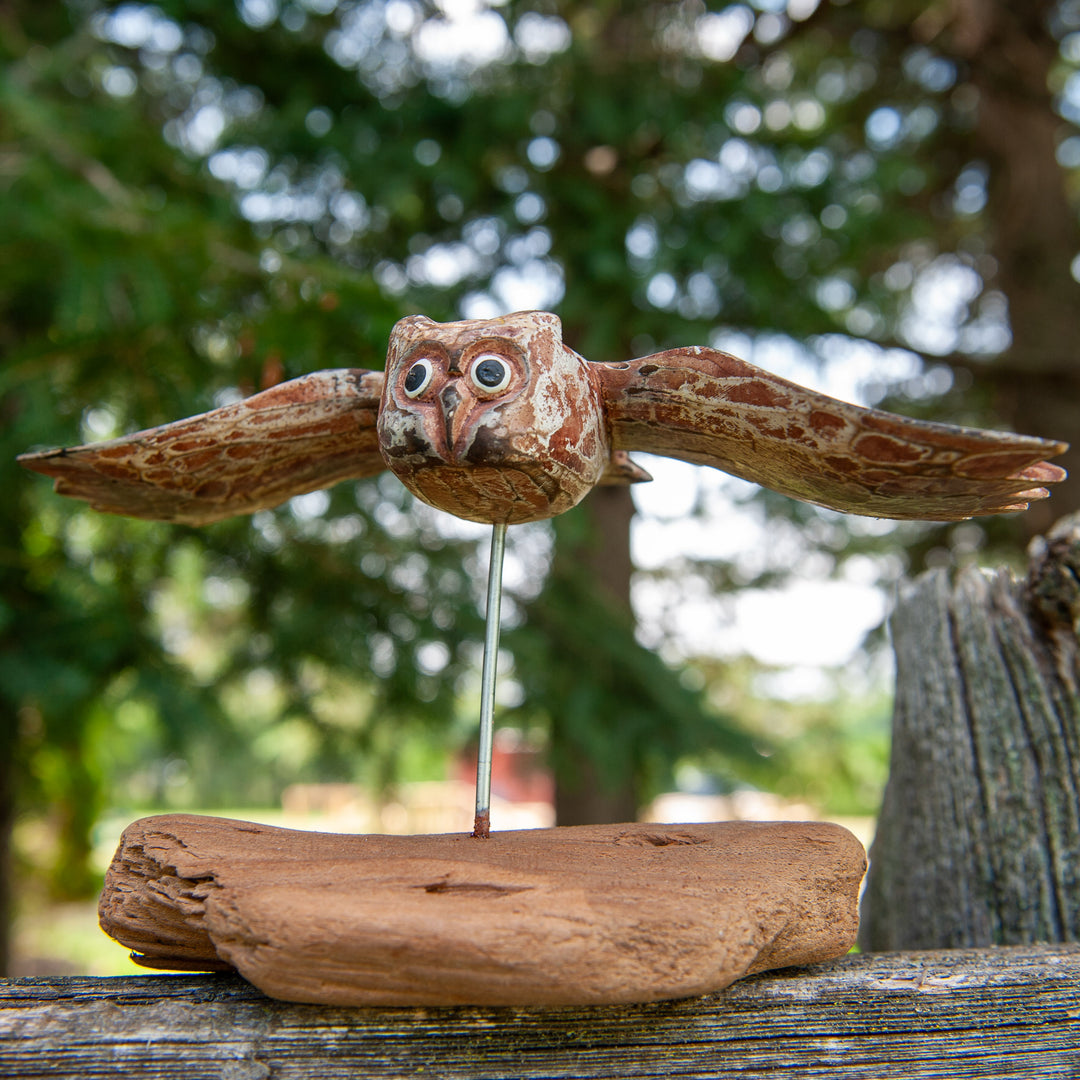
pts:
[978, 840]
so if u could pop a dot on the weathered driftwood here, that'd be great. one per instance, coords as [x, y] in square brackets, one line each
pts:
[978, 840]
[569, 916]
[1000, 1013]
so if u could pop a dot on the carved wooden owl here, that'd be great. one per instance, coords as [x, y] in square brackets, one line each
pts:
[498, 421]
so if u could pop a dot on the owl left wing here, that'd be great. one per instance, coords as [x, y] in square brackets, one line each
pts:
[704, 406]
[294, 438]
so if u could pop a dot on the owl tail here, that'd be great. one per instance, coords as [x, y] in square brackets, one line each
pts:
[622, 470]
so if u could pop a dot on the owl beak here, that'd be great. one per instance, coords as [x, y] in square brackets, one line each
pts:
[450, 400]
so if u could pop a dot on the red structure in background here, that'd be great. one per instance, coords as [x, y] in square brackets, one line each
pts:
[518, 772]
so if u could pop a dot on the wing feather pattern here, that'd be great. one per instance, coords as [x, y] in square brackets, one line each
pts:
[294, 438]
[704, 406]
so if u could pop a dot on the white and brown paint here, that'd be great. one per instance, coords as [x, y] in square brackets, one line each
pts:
[534, 447]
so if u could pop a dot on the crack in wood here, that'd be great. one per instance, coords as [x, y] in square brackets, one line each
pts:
[475, 888]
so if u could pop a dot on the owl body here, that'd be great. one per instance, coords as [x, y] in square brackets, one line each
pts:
[492, 420]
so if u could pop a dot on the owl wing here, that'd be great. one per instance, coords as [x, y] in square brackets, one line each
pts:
[707, 407]
[291, 439]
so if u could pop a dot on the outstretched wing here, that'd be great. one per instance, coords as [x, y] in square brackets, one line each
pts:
[704, 406]
[293, 438]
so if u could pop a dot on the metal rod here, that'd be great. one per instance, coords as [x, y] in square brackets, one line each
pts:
[482, 821]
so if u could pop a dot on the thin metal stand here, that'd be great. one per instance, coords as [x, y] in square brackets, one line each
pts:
[482, 821]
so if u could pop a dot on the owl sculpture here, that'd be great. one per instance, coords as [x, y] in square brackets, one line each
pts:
[498, 421]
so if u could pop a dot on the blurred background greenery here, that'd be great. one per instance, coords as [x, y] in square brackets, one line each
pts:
[199, 199]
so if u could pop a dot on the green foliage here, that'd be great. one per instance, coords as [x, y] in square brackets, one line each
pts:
[831, 750]
[134, 291]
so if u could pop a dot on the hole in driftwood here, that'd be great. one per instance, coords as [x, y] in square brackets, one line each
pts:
[474, 888]
[659, 839]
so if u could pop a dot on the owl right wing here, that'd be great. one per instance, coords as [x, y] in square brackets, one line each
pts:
[704, 406]
[296, 437]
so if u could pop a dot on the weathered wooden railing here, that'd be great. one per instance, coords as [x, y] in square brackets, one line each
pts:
[998, 1013]
[978, 845]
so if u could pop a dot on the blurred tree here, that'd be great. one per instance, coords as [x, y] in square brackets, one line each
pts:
[131, 289]
[200, 199]
[968, 111]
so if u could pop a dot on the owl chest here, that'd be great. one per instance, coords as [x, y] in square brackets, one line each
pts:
[525, 461]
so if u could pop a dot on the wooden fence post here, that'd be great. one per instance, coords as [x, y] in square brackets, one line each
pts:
[978, 839]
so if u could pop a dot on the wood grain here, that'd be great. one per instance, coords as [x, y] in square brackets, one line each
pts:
[704, 406]
[593, 914]
[533, 445]
[997, 1013]
[296, 437]
[524, 452]
[978, 839]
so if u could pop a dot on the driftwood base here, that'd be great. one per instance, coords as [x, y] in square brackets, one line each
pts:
[568, 916]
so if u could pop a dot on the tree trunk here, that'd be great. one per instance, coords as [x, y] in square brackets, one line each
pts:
[978, 840]
[1012, 55]
[581, 797]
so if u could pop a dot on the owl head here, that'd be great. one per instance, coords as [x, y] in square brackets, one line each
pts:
[491, 420]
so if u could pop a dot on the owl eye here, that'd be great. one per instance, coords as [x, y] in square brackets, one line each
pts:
[490, 373]
[417, 378]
